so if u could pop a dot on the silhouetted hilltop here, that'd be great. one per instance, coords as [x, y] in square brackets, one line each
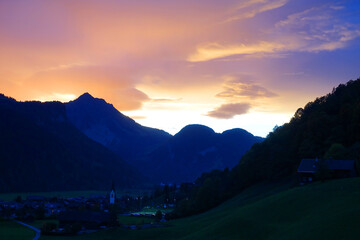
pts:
[196, 149]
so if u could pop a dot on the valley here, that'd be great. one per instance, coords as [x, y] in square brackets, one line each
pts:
[325, 210]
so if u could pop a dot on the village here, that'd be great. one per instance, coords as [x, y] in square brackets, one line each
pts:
[76, 215]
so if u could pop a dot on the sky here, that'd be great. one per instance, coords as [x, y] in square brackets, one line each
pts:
[226, 64]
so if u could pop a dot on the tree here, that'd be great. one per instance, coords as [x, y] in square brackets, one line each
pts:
[48, 227]
[323, 171]
[336, 151]
[40, 212]
[158, 215]
[18, 199]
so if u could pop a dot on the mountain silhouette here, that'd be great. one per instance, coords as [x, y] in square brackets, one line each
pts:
[87, 143]
[40, 150]
[157, 154]
[103, 123]
[196, 149]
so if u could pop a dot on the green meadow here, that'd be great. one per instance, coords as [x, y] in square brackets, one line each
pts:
[14, 231]
[328, 210]
[154, 210]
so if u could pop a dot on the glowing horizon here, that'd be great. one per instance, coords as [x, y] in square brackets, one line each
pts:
[231, 64]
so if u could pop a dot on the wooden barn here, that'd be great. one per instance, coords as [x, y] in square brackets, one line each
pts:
[308, 169]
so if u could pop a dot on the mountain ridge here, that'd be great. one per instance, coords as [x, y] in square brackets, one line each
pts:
[41, 150]
[89, 132]
[103, 123]
[151, 150]
[196, 149]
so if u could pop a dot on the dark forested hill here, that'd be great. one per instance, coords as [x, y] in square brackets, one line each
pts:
[104, 124]
[196, 149]
[40, 150]
[327, 127]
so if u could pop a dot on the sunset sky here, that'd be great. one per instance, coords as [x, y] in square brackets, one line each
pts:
[225, 64]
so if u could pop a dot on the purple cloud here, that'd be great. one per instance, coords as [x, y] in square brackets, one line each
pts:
[241, 86]
[227, 111]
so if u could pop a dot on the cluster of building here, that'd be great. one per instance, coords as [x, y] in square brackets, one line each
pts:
[34, 207]
[89, 212]
[313, 169]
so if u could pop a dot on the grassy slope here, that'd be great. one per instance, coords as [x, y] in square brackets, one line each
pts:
[329, 210]
[13, 231]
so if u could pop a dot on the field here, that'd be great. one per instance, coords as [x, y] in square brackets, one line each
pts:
[15, 231]
[154, 210]
[71, 194]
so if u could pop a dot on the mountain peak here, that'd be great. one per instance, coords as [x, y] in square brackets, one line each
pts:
[85, 96]
[195, 130]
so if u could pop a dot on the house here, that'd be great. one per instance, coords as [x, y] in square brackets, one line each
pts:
[87, 219]
[308, 169]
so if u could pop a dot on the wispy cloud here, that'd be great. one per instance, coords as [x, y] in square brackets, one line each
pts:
[166, 100]
[238, 91]
[209, 51]
[321, 28]
[239, 87]
[250, 9]
[318, 29]
[229, 110]
[245, 4]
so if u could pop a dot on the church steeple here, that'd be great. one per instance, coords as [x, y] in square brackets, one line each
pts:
[112, 194]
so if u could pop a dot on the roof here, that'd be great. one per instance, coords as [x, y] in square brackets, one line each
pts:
[312, 165]
[308, 166]
[341, 164]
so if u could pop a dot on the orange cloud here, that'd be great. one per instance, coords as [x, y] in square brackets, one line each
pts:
[64, 83]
